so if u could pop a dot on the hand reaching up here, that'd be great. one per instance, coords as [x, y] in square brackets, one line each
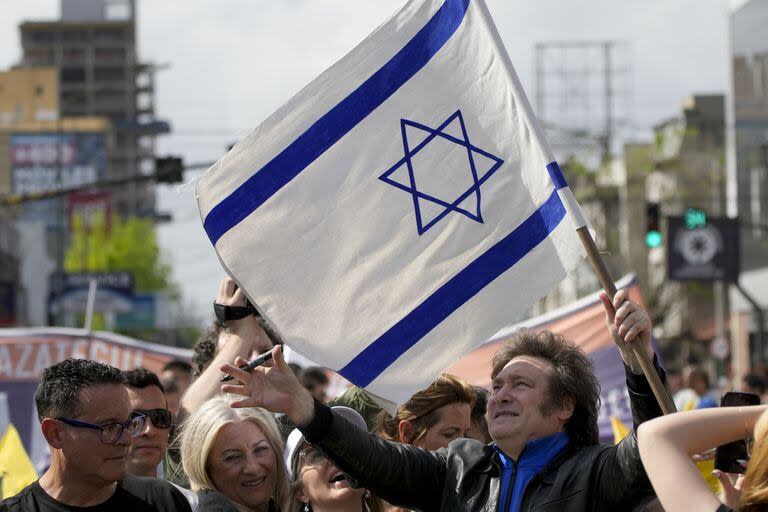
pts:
[276, 389]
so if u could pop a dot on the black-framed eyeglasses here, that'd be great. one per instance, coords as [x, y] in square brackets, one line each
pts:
[160, 418]
[111, 432]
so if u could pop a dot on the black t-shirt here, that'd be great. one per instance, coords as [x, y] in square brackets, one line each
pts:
[133, 494]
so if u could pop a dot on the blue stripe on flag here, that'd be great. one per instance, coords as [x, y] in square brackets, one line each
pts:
[558, 178]
[380, 354]
[337, 122]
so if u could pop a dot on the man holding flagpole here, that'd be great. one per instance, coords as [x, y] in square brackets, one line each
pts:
[542, 417]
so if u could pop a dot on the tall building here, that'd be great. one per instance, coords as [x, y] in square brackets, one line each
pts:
[93, 47]
[750, 103]
[749, 174]
[41, 151]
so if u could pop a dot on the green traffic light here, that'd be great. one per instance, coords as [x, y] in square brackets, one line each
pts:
[653, 239]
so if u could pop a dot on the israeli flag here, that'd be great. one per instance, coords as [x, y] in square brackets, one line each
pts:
[402, 207]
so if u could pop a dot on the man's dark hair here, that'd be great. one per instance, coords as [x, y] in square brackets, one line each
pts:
[60, 386]
[178, 364]
[313, 376]
[573, 380]
[141, 378]
[204, 349]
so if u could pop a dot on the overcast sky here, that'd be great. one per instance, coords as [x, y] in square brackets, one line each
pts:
[233, 62]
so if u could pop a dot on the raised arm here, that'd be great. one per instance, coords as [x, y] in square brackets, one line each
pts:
[238, 339]
[667, 444]
[619, 471]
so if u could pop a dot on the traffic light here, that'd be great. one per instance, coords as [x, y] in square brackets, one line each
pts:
[169, 169]
[653, 225]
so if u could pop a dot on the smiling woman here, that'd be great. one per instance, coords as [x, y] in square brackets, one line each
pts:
[319, 486]
[234, 454]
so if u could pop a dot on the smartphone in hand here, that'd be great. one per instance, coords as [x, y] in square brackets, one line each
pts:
[727, 456]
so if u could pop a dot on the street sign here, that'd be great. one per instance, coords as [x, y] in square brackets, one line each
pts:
[703, 248]
[121, 281]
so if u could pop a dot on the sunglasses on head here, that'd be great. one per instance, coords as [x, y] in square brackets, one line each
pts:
[160, 418]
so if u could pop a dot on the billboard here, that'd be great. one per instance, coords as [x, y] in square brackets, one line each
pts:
[54, 161]
[92, 207]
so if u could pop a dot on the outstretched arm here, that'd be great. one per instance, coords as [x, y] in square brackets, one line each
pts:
[402, 474]
[667, 444]
[239, 339]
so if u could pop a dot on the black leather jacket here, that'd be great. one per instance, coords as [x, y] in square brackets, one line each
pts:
[466, 475]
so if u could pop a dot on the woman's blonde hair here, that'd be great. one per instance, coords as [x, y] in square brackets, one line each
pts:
[200, 429]
[370, 503]
[421, 409]
[754, 494]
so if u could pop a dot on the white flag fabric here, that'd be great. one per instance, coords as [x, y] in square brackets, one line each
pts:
[401, 208]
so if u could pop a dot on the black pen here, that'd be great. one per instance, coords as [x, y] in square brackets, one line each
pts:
[253, 363]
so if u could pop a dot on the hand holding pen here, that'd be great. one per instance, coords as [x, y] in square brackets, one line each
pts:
[253, 363]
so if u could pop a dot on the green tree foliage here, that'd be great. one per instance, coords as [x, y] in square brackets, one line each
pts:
[122, 245]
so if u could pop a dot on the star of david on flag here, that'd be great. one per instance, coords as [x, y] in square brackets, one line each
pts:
[313, 213]
[468, 167]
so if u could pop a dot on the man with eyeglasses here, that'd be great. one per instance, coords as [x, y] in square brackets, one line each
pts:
[147, 396]
[87, 419]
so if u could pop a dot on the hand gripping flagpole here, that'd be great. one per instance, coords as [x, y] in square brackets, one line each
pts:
[659, 391]
[646, 364]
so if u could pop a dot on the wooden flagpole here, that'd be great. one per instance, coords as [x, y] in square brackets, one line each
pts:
[646, 364]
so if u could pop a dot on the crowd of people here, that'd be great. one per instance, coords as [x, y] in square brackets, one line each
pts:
[271, 440]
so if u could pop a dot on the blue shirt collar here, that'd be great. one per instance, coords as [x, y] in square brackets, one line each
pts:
[537, 452]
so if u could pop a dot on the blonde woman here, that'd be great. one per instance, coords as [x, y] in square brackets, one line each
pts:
[319, 486]
[667, 444]
[234, 458]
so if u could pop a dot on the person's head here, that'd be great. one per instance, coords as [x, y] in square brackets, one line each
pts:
[318, 485]
[147, 397]
[316, 381]
[754, 383]
[205, 348]
[238, 452]
[85, 417]
[754, 490]
[172, 395]
[478, 425]
[433, 417]
[180, 371]
[541, 385]
[698, 380]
